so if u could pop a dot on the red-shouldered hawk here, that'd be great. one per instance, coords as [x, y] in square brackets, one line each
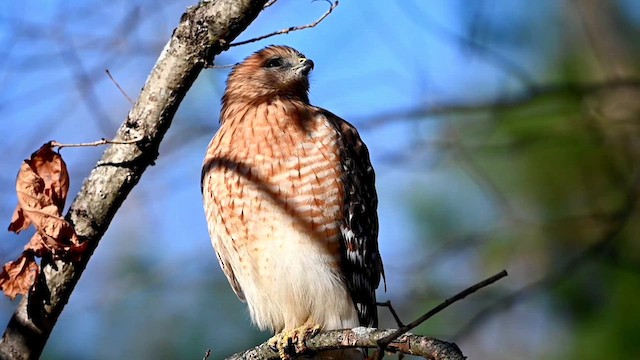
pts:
[291, 206]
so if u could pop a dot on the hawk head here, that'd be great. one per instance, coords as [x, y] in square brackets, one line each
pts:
[275, 71]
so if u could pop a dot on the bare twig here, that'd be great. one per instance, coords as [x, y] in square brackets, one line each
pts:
[360, 337]
[393, 312]
[332, 6]
[384, 342]
[207, 354]
[222, 66]
[100, 142]
[119, 87]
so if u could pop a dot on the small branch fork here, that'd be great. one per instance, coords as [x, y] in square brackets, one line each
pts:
[361, 337]
[332, 6]
[393, 312]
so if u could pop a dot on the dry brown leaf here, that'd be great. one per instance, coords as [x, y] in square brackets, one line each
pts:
[42, 185]
[18, 276]
[49, 165]
[19, 222]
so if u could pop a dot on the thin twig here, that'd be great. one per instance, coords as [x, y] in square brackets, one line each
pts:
[293, 28]
[384, 342]
[102, 141]
[207, 354]
[118, 86]
[222, 66]
[393, 312]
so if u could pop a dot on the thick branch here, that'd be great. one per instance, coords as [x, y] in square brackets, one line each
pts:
[203, 32]
[360, 337]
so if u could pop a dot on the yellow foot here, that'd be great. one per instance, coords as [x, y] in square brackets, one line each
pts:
[291, 342]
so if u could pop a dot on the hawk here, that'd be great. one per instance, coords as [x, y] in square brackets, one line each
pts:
[291, 205]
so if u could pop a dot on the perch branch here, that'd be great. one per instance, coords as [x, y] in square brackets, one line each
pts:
[201, 34]
[360, 337]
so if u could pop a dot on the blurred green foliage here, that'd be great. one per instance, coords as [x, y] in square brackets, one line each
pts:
[560, 164]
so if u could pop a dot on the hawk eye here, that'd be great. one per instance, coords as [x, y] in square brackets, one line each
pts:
[275, 62]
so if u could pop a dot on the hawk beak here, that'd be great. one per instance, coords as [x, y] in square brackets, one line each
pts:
[304, 66]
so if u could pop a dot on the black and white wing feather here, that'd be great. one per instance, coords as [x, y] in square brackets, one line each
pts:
[361, 261]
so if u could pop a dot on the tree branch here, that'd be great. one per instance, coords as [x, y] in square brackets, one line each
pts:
[202, 33]
[361, 337]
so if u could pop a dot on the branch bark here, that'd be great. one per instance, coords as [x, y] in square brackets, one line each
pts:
[361, 337]
[204, 31]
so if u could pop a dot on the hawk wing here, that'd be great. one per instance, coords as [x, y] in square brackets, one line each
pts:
[221, 251]
[361, 262]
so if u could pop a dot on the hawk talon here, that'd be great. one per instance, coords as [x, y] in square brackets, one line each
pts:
[281, 343]
[308, 332]
[273, 343]
[293, 342]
